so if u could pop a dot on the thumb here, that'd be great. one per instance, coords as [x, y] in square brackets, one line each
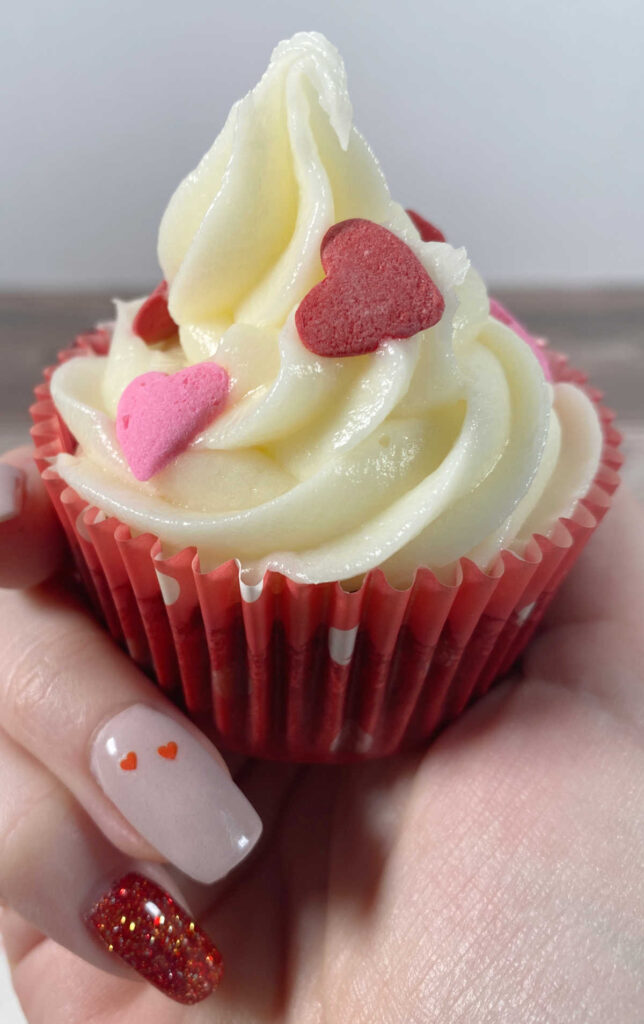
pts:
[31, 538]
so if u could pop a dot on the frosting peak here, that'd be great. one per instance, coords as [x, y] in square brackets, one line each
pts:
[241, 236]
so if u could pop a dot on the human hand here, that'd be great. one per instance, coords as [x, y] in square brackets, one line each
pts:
[100, 773]
[495, 877]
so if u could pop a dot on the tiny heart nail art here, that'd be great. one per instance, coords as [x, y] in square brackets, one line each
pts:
[376, 289]
[129, 762]
[181, 798]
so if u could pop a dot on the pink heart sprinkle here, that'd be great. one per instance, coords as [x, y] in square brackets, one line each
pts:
[159, 414]
[499, 312]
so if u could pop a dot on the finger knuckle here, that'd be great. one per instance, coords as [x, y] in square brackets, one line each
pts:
[37, 671]
[23, 829]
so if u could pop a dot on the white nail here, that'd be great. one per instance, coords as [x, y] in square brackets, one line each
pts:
[175, 792]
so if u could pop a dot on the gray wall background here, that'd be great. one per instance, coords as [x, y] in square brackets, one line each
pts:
[516, 126]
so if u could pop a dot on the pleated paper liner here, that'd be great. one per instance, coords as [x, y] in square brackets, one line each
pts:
[313, 672]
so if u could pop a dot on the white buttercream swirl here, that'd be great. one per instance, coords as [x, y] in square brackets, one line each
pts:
[445, 445]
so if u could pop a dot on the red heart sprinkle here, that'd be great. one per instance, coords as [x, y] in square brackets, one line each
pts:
[129, 763]
[428, 231]
[159, 414]
[376, 289]
[169, 751]
[153, 321]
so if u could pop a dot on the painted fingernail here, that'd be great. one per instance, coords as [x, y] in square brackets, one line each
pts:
[156, 936]
[174, 791]
[12, 490]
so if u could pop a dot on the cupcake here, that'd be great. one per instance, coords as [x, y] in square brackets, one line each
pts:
[316, 483]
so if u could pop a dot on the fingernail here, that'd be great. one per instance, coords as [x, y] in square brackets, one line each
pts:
[12, 490]
[150, 931]
[173, 790]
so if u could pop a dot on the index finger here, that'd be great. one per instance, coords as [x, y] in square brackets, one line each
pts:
[71, 698]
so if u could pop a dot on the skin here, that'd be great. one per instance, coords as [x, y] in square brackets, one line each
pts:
[495, 877]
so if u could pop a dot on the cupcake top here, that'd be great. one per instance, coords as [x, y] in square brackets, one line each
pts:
[316, 389]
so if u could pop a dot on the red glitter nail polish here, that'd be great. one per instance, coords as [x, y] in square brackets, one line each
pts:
[148, 929]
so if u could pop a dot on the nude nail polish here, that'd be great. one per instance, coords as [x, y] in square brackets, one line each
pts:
[143, 925]
[175, 792]
[12, 489]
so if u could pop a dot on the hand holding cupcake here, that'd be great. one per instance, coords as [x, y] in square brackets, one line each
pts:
[321, 489]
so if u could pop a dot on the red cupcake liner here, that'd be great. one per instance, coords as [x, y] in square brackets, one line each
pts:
[311, 672]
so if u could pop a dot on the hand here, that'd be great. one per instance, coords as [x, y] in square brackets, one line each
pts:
[494, 878]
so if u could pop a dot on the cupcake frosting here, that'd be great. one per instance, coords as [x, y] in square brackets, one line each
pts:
[446, 444]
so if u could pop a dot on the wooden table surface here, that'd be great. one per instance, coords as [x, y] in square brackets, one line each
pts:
[602, 330]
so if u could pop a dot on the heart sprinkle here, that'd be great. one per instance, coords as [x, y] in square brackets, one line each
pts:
[129, 763]
[153, 322]
[159, 414]
[169, 751]
[499, 312]
[428, 231]
[376, 289]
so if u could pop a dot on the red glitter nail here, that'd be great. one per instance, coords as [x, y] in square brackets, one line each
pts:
[143, 925]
